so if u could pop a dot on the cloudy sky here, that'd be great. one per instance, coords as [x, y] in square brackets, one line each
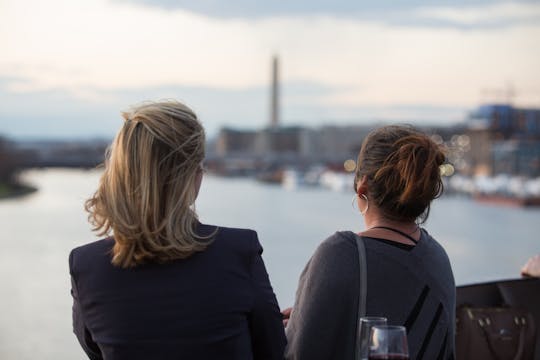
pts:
[68, 67]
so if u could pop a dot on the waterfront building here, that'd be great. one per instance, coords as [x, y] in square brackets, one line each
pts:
[479, 159]
[507, 122]
[293, 145]
[520, 157]
[234, 142]
[504, 140]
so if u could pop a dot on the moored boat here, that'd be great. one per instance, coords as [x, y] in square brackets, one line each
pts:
[507, 200]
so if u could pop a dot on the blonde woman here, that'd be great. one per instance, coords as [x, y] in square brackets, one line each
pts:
[163, 285]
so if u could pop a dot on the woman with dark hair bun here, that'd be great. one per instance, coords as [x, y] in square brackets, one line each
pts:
[408, 277]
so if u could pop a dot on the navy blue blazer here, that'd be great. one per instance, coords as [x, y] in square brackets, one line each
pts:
[216, 304]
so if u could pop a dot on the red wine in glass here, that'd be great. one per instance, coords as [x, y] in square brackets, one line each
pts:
[388, 342]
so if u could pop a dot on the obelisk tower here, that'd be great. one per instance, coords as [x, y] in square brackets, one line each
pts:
[274, 103]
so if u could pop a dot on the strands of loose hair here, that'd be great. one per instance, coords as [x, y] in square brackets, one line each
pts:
[146, 194]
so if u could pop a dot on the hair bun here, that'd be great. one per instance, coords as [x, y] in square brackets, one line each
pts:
[417, 159]
[402, 168]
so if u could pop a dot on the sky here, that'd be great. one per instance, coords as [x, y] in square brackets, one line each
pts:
[69, 67]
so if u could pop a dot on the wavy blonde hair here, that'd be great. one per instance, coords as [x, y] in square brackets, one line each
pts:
[147, 192]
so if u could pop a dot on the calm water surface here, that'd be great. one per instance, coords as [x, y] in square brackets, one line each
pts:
[38, 231]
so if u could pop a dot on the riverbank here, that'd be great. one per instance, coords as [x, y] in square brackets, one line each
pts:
[8, 191]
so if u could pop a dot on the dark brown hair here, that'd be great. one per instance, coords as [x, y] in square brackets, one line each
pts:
[401, 166]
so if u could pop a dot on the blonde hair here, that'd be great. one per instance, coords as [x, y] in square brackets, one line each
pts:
[147, 191]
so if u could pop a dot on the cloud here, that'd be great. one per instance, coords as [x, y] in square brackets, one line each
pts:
[62, 48]
[111, 46]
[493, 15]
[462, 14]
[279, 8]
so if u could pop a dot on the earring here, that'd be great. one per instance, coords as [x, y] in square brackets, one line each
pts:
[354, 201]
[367, 204]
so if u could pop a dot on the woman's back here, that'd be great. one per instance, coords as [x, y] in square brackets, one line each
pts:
[215, 304]
[413, 286]
[409, 285]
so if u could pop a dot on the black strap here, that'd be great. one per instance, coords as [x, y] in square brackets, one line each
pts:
[362, 294]
[398, 232]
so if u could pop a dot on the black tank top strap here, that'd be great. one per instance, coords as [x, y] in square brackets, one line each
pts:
[398, 232]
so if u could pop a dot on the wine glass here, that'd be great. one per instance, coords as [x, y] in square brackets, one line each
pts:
[364, 331]
[388, 342]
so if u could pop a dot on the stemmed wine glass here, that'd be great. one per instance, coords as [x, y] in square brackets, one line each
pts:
[388, 342]
[364, 332]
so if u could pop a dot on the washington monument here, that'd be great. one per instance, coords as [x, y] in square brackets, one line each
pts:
[274, 103]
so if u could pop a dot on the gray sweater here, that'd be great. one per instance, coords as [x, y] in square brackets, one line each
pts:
[409, 285]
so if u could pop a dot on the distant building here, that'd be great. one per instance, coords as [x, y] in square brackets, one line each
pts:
[280, 141]
[479, 158]
[507, 122]
[505, 139]
[527, 123]
[341, 142]
[293, 144]
[521, 157]
[63, 153]
[231, 142]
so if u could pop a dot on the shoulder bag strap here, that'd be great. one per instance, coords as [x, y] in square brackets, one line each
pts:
[362, 296]
[521, 343]
[363, 276]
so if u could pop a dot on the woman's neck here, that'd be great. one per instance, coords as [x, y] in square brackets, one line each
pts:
[405, 226]
[375, 225]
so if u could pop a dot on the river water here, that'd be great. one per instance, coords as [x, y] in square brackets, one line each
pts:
[37, 232]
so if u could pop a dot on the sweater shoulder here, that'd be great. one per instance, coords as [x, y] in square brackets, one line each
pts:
[336, 255]
[338, 243]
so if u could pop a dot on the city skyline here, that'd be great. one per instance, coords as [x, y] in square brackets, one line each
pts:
[70, 67]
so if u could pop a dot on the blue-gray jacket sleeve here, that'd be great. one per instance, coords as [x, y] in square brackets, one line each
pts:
[265, 320]
[79, 328]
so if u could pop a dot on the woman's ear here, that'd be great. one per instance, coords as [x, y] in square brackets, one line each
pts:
[361, 185]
